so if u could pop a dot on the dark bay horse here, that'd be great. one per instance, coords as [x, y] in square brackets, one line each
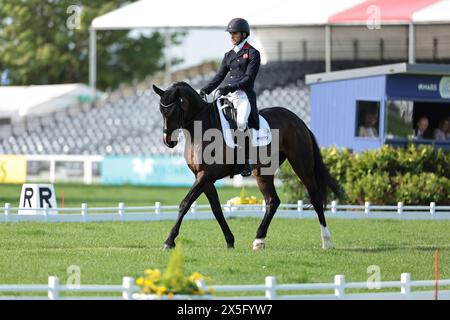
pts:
[181, 106]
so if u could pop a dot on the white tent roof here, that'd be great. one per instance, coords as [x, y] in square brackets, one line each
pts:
[214, 14]
[437, 12]
[39, 99]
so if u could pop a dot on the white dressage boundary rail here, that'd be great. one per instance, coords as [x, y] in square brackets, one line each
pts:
[87, 161]
[270, 290]
[203, 212]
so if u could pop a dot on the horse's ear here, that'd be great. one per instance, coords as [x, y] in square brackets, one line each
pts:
[158, 91]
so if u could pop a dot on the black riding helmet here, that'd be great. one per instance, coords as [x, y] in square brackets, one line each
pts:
[238, 25]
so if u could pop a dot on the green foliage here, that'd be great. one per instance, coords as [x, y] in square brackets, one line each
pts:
[413, 175]
[39, 44]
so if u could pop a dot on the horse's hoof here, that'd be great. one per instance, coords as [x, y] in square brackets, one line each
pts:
[167, 247]
[258, 244]
[230, 246]
[327, 245]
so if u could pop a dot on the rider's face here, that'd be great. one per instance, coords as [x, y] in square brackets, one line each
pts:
[236, 37]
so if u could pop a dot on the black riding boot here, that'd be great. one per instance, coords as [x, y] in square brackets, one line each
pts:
[248, 166]
[247, 169]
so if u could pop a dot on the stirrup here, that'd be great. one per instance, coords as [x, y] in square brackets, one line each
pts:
[247, 170]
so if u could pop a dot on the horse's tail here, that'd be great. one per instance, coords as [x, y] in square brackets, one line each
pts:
[323, 177]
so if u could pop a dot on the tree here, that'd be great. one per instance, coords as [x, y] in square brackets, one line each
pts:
[47, 42]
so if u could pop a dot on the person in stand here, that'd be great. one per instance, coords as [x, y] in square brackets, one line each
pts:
[239, 68]
[368, 129]
[422, 131]
[443, 131]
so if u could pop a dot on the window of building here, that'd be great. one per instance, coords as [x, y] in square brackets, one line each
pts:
[399, 119]
[418, 120]
[367, 119]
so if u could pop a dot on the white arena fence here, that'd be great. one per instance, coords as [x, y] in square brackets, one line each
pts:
[271, 290]
[203, 212]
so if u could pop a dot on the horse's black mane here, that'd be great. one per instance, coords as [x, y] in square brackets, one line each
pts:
[192, 95]
[187, 91]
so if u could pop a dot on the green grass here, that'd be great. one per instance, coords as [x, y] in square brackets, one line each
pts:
[106, 252]
[98, 196]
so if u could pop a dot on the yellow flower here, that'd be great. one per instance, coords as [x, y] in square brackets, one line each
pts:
[148, 271]
[148, 283]
[140, 281]
[211, 290]
[161, 290]
[170, 295]
[196, 276]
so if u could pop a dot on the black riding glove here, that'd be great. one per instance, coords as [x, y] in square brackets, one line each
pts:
[224, 90]
[203, 93]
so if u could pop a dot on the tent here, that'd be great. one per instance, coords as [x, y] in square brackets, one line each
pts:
[194, 14]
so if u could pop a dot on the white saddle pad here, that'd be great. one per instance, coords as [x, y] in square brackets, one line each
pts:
[261, 137]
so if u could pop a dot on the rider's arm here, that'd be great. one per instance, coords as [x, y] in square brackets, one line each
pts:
[218, 78]
[250, 73]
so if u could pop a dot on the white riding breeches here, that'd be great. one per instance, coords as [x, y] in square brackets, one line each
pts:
[243, 108]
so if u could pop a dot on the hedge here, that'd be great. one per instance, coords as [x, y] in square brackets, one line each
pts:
[412, 175]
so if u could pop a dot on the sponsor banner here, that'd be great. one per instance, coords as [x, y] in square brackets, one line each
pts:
[418, 87]
[13, 169]
[150, 171]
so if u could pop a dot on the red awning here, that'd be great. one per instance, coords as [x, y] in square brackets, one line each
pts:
[390, 11]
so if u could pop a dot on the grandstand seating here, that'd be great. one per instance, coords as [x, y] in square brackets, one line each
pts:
[132, 125]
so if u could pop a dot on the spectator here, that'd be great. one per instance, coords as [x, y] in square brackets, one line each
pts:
[443, 131]
[368, 129]
[422, 131]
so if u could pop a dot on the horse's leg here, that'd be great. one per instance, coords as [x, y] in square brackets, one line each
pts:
[192, 195]
[213, 198]
[307, 176]
[267, 188]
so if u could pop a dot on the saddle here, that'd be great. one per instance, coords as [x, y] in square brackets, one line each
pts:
[227, 117]
[229, 111]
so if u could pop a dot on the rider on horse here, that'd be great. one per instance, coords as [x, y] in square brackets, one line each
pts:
[240, 67]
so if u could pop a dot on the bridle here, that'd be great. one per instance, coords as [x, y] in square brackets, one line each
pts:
[180, 113]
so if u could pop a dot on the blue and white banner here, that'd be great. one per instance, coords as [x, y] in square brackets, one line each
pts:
[151, 171]
[418, 87]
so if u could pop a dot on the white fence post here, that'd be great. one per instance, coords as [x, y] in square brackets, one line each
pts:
[128, 284]
[271, 290]
[405, 280]
[157, 207]
[433, 208]
[87, 171]
[53, 288]
[228, 206]
[121, 210]
[367, 208]
[263, 206]
[333, 207]
[339, 281]
[84, 210]
[400, 209]
[194, 207]
[7, 211]
[52, 173]
[300, 208]
[46, 211]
